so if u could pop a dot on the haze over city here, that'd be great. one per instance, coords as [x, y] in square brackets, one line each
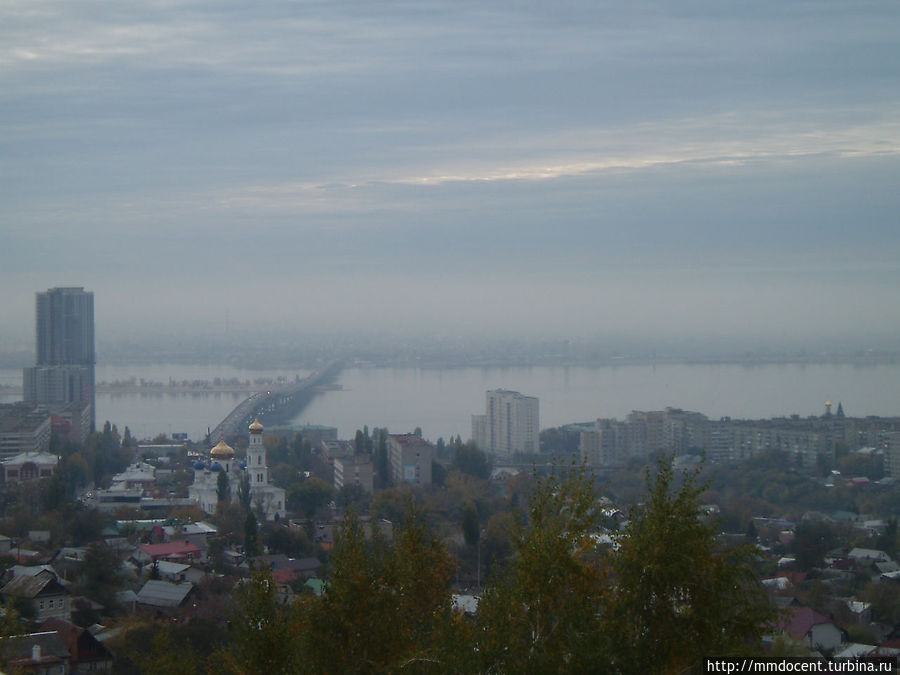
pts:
[585, 169]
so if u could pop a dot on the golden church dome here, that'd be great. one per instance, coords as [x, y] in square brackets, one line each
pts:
[222, 451]
[256, 427]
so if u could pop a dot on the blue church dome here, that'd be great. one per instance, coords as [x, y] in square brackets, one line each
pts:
[199, 465]
[215, 466]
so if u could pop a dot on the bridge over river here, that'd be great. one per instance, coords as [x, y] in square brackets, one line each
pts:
[277, 404]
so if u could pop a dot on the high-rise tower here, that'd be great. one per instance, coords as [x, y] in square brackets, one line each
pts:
[63, 373]
[509, 425]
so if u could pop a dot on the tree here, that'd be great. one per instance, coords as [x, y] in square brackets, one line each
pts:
[382, 468]
[309, 495]
[812, 540]
[223, 488]
[543, 615]
[887, 540]
[469, 459]
[470, 525]
[101, 574]
[384, 605]
[251, 532]
[244, 495]
[677, 597]
[264, 631]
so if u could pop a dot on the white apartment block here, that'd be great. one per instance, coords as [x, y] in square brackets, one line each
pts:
[511, 424]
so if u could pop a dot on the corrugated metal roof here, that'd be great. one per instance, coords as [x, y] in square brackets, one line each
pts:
[163, 594]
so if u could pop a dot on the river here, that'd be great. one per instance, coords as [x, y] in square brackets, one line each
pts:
[442, 400]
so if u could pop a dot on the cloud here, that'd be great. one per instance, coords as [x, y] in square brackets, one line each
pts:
[340, 141]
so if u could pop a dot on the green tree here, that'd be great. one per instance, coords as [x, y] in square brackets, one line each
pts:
[388, 607]
[382, 469]
[470, 525]
[887, 540]
[677, 597]
[168, 656]
[264, 631]
[812, 540]
[244, 494]
[308, 495]
[223, 488]
[543, 614]
[251, 533]
[101, 574]
[469, 459]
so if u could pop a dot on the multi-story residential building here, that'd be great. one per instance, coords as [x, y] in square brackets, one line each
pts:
[606, 444]
[23, 429]
[354, 470]
[410, 457]
[645, 432]
[804, 440]
[64, 350]
[892, 454]
[511, 424]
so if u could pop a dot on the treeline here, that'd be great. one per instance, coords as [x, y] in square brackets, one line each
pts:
[660, 598]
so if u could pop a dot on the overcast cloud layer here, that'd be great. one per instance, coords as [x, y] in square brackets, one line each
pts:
[571, 168]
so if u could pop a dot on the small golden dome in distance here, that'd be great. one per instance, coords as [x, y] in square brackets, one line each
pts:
[256, 427]
[222, 451]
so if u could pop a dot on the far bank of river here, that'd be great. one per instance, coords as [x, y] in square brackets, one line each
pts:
[442, 400]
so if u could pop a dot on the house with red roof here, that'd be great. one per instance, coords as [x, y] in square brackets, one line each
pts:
[804, 625]
[175, 551]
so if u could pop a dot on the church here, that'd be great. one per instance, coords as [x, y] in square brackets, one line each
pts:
[265, 499]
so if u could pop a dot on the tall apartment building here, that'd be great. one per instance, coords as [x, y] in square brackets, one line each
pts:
[63, 374]
[510, 424]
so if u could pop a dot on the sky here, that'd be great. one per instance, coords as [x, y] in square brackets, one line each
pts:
[568, 169]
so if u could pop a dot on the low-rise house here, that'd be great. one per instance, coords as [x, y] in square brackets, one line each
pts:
[868, 556]
[29, 466]
[86, 653]
[174, 551]
[804, 625]
[164, 594]
[170, 571]
[69, 561]
[43, 653]
[301, 567]
[861, 611]
[48, 597]
[854, 650]
[198, 534]
[138, 476]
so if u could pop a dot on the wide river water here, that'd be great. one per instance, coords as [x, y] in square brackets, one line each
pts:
[442, 400]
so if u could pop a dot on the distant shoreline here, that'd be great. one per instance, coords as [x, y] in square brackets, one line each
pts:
[246, 387]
